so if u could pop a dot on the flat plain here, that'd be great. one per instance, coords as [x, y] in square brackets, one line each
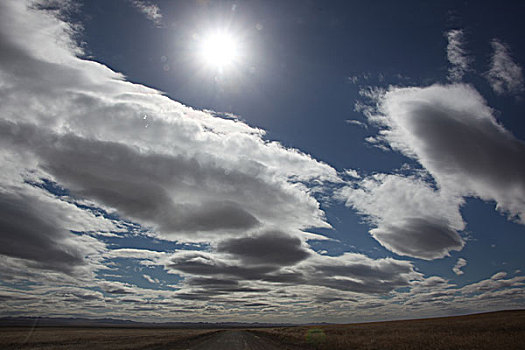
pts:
[497, 330]
[494, 331]
[62, 338]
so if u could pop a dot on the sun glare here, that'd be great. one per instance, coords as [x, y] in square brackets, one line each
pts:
[219, 50]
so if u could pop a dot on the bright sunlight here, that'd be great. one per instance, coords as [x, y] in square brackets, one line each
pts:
[219, 50]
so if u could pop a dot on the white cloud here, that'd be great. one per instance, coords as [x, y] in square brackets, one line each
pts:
[505, 76]
[150, 10]
[457, 55]
[189, 175]
[352, 173]
[496, 282]
[410, 217]
[454, 135]
[151, 279]
[459, 265]
[356, 122]
[135, 254]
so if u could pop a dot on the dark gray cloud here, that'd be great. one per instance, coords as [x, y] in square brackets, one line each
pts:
[274, 258]
[347, 273]
[30, 229]
[418, 237]
[269, 248]
[359, 274]
[207, 264]
[217, 271]
[138, 184]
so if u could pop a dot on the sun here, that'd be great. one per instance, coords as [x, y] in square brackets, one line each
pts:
[219, 50]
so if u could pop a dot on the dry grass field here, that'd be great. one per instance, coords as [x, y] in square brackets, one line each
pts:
[96, 338]
[498, 331]
[495, 331]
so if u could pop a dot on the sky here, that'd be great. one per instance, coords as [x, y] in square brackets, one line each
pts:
[261, 161]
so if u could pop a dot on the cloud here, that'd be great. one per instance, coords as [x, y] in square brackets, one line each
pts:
[270, 248]
[464, 152]
[352, 173]
[360, 274]
[151, 11]
[457, 55]
[188, 175]
[133, 153]
[356, 122]
[209, 264]
[410, 217]
[419, 238]
[505, 76]
[454, 135]
[459, 265]
[251, 271]
[114, 287]
[496, 282]
[35, 230]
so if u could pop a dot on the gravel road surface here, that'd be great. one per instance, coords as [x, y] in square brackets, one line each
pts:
[234, 340]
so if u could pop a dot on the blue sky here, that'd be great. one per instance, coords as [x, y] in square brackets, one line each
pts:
[350, 162]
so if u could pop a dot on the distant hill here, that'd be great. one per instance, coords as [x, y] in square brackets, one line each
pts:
[110, 322]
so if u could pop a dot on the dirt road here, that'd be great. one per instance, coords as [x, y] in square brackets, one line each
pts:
[234, 340]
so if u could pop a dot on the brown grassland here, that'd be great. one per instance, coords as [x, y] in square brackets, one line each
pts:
[498, 330]
[63, 338]
[495, 331]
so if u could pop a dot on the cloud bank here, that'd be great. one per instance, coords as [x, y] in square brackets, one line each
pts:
[185, 173]
[86, 155]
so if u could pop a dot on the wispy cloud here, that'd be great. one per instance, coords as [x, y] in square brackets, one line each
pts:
[505, 76]
[150, 10]
[357, 123]
[457, 55]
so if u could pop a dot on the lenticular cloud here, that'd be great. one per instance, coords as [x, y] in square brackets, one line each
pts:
[409, 216]
[452, 132]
